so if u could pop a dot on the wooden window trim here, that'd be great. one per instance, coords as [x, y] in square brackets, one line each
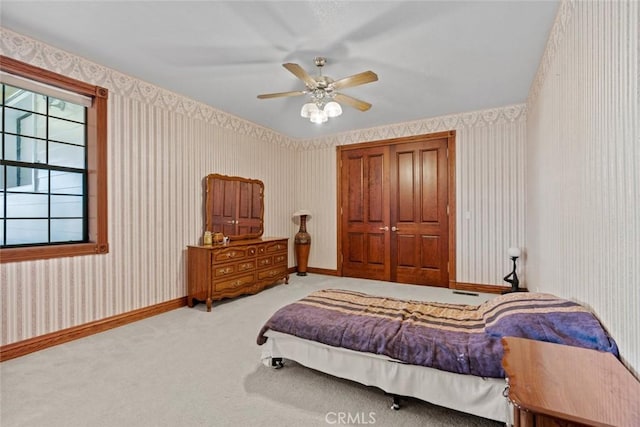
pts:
[96, 166]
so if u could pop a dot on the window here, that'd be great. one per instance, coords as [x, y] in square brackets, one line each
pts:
[52, 165]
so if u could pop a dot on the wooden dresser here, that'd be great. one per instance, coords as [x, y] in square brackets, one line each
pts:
[238, 267]
[559, 385]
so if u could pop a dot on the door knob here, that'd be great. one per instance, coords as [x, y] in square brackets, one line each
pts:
[394, 228]
[385, 228]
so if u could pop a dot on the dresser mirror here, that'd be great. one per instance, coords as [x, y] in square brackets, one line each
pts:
[234, 206]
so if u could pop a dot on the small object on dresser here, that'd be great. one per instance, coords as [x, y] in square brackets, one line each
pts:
[218, 237]
[207, 240]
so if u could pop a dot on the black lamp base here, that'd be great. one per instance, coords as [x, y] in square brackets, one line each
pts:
[513, 279]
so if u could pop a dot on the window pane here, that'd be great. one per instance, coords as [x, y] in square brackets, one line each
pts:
[19, 179]
[20, 231]
[66, 110]
[1, 232]
[27, 179]
[9, 92]
[25, 149]
[62, 130]
[24, 99]
[1, 205]
[66, 206]
[27, 206]
[64, 230]
[23, 123]
[66, 182]
[66, 155]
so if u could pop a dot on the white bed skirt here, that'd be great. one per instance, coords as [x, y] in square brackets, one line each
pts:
[466, 393]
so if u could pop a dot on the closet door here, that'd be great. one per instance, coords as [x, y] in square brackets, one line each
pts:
[419, 219]
[365, 236]
[394, 210]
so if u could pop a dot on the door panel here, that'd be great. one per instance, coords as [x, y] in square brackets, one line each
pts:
[365, 194]
[429, 181]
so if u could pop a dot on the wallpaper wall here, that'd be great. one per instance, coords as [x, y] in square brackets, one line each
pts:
[583, 174]
[161, 145]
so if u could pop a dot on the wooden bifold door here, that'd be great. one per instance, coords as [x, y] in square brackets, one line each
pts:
[395, 209]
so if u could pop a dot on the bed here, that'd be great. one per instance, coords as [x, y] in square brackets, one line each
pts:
[443, 353]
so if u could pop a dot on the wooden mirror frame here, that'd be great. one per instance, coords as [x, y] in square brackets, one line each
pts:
[234, 206]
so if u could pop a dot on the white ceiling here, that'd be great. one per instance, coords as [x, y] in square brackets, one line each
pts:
[432, 57]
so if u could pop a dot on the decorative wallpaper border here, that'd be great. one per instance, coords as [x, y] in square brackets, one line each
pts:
[42, 55]
[556, 35]
[481, 118]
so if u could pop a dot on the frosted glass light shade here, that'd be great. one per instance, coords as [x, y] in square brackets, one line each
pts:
[308, 109]
[333, 109]
[318, 116]
[514, 252]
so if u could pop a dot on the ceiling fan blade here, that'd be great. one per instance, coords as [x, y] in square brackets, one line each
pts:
[355, 103]
[355, 80]
[281, 94]
[300, 73]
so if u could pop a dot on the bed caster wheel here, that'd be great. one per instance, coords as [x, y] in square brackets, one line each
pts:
[277, 363]
[396, 403]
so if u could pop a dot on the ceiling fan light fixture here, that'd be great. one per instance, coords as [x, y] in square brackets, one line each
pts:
[333, 109]
[308, 109]
[318, 116]
[323, 90]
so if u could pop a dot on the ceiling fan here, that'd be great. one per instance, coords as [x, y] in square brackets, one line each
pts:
[323, 91]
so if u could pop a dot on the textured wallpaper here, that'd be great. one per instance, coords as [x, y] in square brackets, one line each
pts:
[583, 174]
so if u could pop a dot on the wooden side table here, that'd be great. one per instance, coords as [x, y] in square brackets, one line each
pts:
[558, 385]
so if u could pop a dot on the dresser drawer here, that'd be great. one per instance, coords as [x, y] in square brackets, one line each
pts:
[265, 262]
[233, 268]
[272, 272]
[280, 259]
[274, 247]
[235, 283]
[232, 254]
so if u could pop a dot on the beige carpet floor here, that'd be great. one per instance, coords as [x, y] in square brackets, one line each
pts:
[188, 367]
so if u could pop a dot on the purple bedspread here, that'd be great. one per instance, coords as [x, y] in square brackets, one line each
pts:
[463, 339]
